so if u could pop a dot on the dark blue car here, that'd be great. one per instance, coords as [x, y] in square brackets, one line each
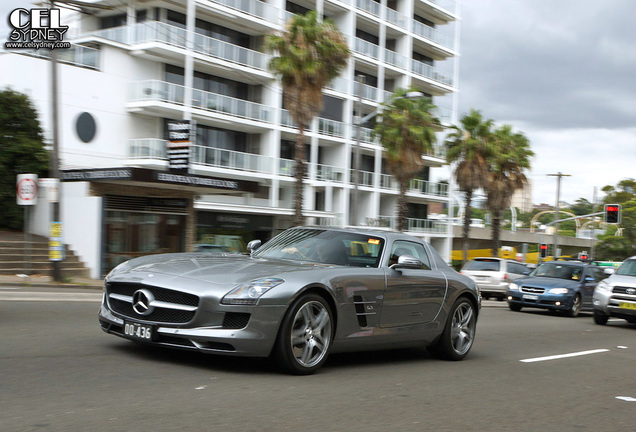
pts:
[565, 286]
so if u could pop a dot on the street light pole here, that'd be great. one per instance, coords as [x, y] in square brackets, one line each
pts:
[557, 210]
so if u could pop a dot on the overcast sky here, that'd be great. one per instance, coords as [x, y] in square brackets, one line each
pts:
[562, 72]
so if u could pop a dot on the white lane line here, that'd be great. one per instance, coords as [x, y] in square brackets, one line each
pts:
[561, 356]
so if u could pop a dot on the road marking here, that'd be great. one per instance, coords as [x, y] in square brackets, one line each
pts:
[626, 398]
[561, 356]
[51, 297]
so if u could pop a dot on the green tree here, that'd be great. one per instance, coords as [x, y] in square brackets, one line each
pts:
[309, 54]
[406, 128]
[469, 146]
[21, 151]
[511, 157]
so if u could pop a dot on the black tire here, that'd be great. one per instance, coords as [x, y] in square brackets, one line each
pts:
[305, 336]
[575, 309]
[600, 318]
[514, 307]
[459, 332]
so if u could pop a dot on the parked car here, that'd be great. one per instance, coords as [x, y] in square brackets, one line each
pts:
[565, 286]
[493, 275]
[304, 294]
[616, 295]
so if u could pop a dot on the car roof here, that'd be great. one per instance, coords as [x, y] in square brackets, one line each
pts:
[386, 234]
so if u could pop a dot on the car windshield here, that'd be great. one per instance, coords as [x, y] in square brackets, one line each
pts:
[483, 265]
[628, 268]
[325, 247]
[559, 271]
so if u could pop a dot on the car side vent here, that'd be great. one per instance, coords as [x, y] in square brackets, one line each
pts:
[235, 320]
[363, 310]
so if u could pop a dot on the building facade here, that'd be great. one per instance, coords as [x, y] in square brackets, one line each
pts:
[137, 68]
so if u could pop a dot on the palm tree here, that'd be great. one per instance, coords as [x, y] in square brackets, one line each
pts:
[406, 129]
[469, 146]
[309, 54]
[506, 174]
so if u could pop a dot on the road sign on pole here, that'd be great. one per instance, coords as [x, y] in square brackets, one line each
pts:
[27, 189]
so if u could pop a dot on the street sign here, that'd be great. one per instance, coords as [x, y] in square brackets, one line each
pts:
[27, 189]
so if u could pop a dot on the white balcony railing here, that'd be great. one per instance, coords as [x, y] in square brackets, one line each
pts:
[414, 225]
[367, 48]
[174, 93]
[155, 31]
[329, 173]
[230, 159]
[428, 71]
[77, 55]
[255, 8]
[433, 35]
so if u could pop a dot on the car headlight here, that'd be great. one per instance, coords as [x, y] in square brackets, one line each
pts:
[513, 286]
[249, 293]
[558, 291]
[603, 286]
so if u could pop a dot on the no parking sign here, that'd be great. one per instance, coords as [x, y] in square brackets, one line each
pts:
[27, 189]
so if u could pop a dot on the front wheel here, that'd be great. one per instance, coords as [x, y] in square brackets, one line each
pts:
[600, 318]
[459, 332]
[575, 309]
[305, 336]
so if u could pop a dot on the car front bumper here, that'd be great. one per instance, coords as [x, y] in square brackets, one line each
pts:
[620, 306]
[255, 339]
[558, 302]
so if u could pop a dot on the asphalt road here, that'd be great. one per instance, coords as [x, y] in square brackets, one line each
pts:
[60, 372]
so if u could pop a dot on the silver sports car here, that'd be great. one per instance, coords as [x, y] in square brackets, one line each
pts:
[304, 294]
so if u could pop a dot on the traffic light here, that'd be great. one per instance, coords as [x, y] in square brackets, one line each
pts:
[613, 213]
[543, 250]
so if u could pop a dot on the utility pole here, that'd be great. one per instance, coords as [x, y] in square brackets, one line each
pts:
[353, 202]
[556, 211]
[55, 155]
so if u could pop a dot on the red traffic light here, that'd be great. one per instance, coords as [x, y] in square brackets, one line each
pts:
[543, 250]
[612, 213]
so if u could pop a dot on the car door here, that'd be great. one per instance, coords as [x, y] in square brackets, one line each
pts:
[588, 283]
[412, 296]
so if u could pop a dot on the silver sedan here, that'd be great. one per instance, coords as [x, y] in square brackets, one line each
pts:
[304, 294]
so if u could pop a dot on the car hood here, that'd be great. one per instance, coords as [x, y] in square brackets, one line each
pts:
[546, 282]
[210, 268]
[622, 280]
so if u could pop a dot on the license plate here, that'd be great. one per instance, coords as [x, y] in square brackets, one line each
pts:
[138, 331]
[624, 305]
[530, 297]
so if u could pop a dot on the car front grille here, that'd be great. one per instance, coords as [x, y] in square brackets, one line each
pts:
[624, 290]
[176, 307]
[532, 290]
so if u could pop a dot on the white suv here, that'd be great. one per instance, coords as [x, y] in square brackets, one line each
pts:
[616, 295]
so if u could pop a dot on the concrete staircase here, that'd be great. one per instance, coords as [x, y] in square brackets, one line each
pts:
[15, 259]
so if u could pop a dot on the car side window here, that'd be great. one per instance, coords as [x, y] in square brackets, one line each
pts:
[515, 268]
[417, 250]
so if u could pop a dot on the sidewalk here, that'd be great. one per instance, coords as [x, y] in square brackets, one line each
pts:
[42, 281]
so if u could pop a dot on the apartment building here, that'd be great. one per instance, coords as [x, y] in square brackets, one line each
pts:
[141, 69]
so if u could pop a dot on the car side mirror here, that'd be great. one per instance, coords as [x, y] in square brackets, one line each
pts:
[407, 262]
[608, 271]
[253, 245]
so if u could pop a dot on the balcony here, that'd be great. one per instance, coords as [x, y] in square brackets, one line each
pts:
[428, 226]
[444, 9]
[155, 32]
[433, 35]
[328, 127]
[254, 8]
[329, 173]
[375, 9]
[429, 72]
[77, 55]
[367, 48]
[416, 186]
[161, 91]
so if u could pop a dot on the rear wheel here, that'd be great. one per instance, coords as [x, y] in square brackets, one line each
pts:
[305, 336]
[459, 333]
[600, 318]
[575, 309]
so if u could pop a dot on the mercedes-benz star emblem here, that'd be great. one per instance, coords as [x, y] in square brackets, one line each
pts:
[142, 302]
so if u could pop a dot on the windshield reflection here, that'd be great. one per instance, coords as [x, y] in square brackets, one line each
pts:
[324, 247]
[558, 271]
